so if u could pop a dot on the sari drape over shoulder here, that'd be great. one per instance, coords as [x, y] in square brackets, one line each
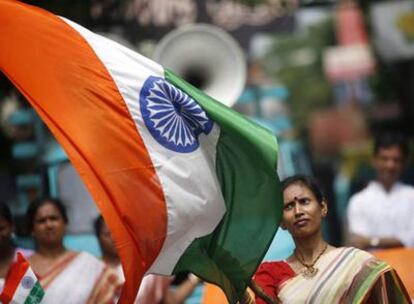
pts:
[78, 278]
[346, 275]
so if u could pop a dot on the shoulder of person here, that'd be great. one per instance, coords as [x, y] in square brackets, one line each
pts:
[274, 267]
[357, 198]
[406, 188]
[360, 253]
[90, 258]
[367, 259]
[363, 194]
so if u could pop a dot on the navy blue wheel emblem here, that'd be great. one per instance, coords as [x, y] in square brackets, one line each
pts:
[27, 282]
[173, 118]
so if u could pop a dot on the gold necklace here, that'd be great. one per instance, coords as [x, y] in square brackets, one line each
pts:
[310, 271]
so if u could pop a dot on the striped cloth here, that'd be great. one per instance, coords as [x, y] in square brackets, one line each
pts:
[346, 275]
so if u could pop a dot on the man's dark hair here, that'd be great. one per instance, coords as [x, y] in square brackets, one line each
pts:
[37, 203]
[307, 181]
[390, 139]
[5, 212]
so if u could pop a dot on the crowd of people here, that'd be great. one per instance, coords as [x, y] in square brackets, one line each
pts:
[78, 277]
[380, 216]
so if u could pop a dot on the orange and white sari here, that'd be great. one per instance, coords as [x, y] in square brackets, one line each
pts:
[78, 277]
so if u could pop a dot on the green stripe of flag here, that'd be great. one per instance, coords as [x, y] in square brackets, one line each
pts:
[36, 294]
[246, 168]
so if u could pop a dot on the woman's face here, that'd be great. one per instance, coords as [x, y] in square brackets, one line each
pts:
[106, 241]
[48, 225]
[302, 213]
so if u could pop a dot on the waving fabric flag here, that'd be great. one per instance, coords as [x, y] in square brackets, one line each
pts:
[184, 183]
[22, 285]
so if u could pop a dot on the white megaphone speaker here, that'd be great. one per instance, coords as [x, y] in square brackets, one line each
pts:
[207, 57]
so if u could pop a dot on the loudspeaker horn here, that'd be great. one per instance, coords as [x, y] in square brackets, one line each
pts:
[207, 57]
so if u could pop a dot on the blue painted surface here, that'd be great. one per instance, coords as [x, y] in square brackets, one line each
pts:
[282, 246]
[54, 153]
[21, 117]
[28, 181]
[24, 150]
[81, 242]
[196, 296]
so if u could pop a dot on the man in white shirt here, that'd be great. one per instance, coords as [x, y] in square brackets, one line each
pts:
[382, 214]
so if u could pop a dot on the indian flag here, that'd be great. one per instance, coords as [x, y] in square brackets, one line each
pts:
[183, 182]
[21, 286]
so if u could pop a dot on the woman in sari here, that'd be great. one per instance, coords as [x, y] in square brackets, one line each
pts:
[317, 272]
[8, 250]
[154, 289]
[65, 275]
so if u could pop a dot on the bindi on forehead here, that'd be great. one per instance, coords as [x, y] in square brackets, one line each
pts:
[296, 199]
[296, 192]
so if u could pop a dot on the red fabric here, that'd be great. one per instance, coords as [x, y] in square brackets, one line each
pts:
[270, 276]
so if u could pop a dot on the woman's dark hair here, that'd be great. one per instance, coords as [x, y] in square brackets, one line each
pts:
[307, 181]
[97, 225]
[37, 203]
[6, 213]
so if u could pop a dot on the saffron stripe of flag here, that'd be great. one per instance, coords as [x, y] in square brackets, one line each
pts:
[183, 182]
[21, 284]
